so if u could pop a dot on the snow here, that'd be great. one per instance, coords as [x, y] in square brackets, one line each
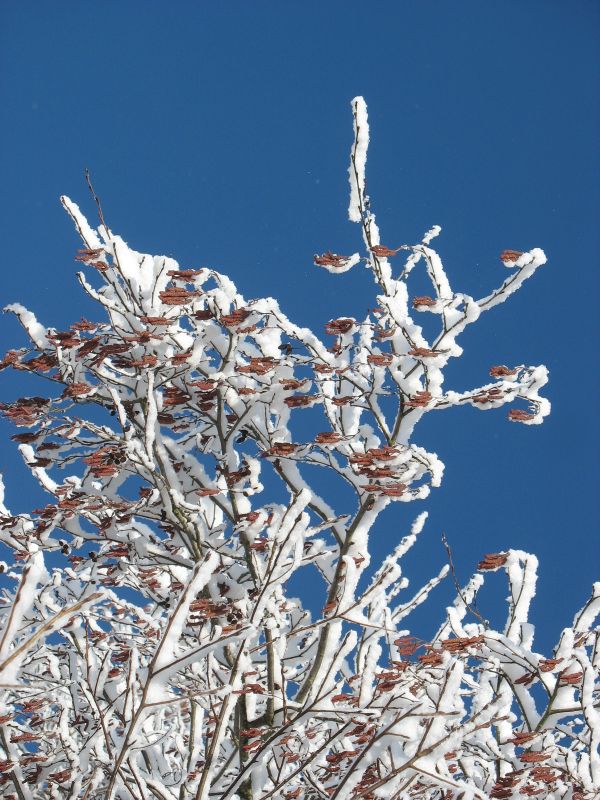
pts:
[88, 235]
[358, 159]
[33, 574]
[36, 331]
[522, 574]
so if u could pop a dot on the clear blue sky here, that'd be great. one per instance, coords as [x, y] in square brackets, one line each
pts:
[219, 133]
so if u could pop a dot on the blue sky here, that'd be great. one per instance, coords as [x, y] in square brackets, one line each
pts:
[219, 133]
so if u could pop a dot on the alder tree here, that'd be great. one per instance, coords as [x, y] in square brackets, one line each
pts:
[150, 643]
